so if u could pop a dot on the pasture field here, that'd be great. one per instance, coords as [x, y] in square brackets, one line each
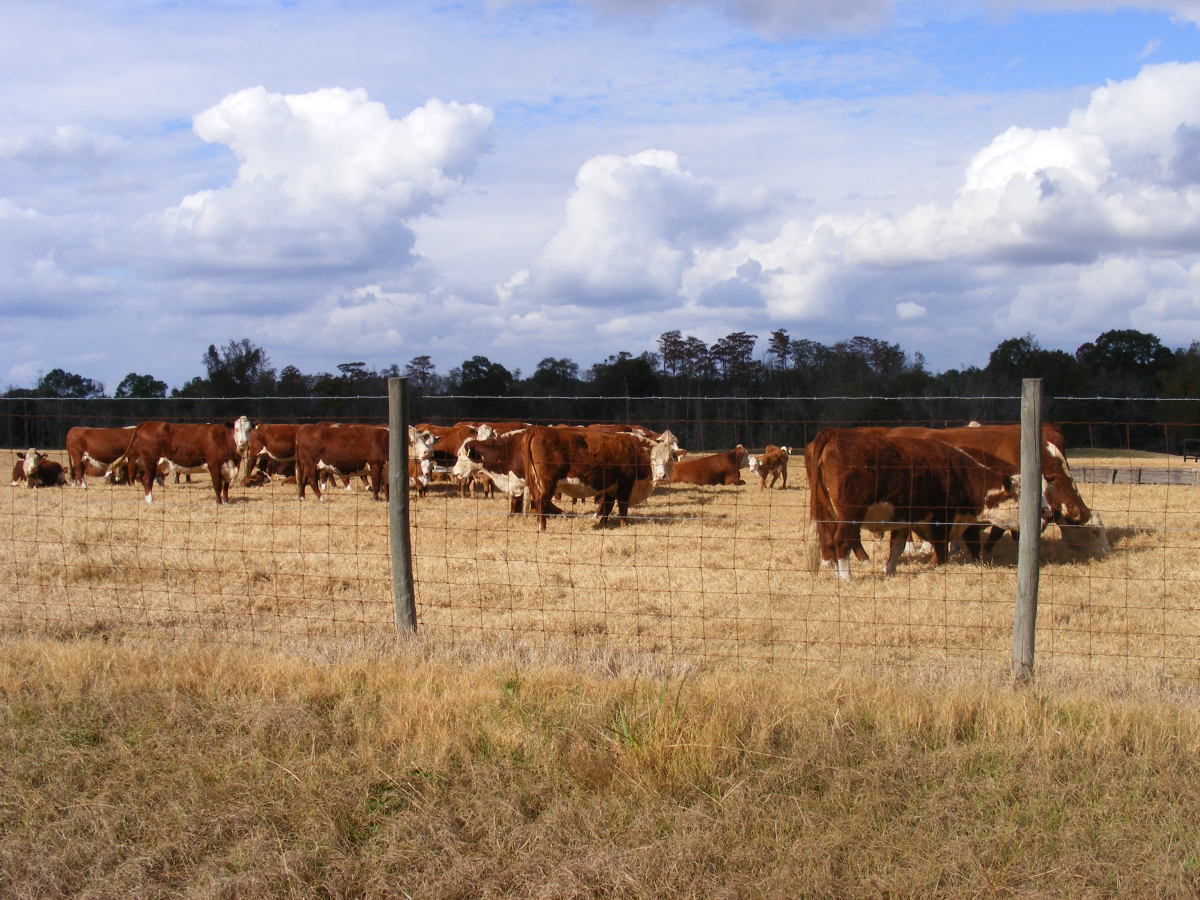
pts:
[209, 701]
[703, 577]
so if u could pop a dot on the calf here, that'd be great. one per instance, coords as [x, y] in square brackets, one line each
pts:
[719, 468]
[35, 470]
[772, 461]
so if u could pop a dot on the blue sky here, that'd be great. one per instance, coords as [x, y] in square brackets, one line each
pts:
[373, 181]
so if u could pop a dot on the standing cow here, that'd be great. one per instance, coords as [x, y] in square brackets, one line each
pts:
[860, 479]
[186, 445]
[1079, 524]
[96, 450]
[341, 450]
[609, 466]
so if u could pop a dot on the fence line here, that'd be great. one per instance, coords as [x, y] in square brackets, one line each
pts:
[704, 575]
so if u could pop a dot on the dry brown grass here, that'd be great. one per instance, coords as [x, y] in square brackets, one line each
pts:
[223, 772]
[584, 713]
[704, 576]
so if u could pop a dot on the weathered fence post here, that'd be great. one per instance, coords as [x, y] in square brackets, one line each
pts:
[1029, 545]
[402, 577]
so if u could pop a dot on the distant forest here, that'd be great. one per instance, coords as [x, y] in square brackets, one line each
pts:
[715, 395]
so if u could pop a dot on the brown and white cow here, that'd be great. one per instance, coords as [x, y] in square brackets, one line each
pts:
[96, 451]
[186, 444]
[36, 470]
[342, 450]
[773, 461]
[500, 459]
[717, 468]
[609, 465]
[1081, 527]
[858, 478]
[268, 443]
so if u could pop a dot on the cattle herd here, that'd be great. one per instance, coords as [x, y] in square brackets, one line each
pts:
[936, 485]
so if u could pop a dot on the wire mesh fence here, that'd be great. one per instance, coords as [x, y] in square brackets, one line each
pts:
[704, 575]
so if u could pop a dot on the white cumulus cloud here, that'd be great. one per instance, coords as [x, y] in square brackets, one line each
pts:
[632, 228]
[1048, 227]
[326, 178]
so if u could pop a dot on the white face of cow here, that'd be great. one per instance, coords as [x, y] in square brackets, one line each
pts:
[662, 459]
[241, 433]
[1003, 507]
[464, 466]
[753, 463]
[29, 461]
[485, 432]
[420, 445]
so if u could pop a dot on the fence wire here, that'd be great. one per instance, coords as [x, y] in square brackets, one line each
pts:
[702, 575]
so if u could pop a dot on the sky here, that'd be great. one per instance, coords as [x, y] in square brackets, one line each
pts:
[372, 181]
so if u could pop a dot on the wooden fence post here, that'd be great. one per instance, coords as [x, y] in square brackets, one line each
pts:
[401, 544]
[1029, 545]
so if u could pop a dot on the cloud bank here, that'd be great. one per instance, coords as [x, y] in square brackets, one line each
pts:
[325, 179]
[1068, 231]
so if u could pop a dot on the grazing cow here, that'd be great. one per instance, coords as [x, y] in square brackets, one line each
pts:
[35, 470]
[609, 465]
[772, 461]
[718, 468]
[1080, 525]
[343, 450]
[96, 451]
[270, 443]
[186, 445]
[859, 479]
[500, 459]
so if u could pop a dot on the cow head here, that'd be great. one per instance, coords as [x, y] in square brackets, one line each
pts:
[29, 462]
[241, 434]
[1002, 504]
[662, 459]
[739, 456]
[752, 461]
[420, 444]
[468, 461]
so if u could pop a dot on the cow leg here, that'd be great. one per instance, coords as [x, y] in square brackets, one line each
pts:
[842, 566]
[149, 471]
[939, 537]
[604, 506]
[971, 540]
[896, 541]
[214, 472]
[993, 538]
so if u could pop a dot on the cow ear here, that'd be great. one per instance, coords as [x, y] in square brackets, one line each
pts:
[20, 456]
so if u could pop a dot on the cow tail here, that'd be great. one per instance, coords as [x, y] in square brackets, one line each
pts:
[532, 475]
[816, 511]
[124, 458]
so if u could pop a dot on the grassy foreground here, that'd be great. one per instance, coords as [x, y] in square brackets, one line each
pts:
[229, 772]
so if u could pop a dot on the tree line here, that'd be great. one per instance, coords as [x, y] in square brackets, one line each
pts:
[714, 392]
